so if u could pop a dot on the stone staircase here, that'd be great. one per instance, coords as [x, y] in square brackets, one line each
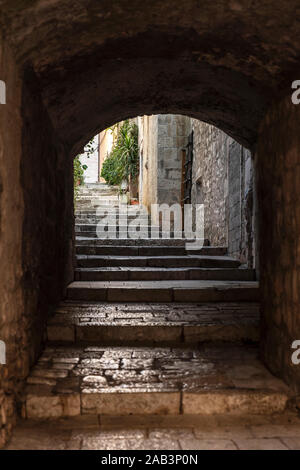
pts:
[151, 327]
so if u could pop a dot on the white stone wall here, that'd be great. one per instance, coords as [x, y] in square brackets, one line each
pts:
[91, 175]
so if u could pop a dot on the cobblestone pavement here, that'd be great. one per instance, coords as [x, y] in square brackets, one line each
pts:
[278, 432]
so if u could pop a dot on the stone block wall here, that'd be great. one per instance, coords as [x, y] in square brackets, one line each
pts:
[210, 179]
[223, 182]
[162, 138]
[173, 131]
[47, 181]
[278, 176]
[148, 135]
[36, 230]
[12, 325]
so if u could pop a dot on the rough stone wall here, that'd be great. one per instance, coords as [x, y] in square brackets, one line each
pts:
[148, 145]
[36, 230]
[173, 131]
[162, 138]
[12, 325]
[278, 176]
[47, 180]
[210, 179]
[223, 182]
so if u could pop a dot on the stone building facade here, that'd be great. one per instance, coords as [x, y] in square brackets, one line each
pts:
[161, 140]
[222, 178]
[223, 181]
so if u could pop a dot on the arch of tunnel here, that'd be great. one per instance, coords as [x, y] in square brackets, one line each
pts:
[75, 68]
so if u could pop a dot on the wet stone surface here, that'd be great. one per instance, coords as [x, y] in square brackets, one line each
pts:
[148, 323]
[150, 380]
[278, 432]
[154, 314]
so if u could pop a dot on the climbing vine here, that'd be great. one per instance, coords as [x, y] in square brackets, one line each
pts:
[122, 163]
[79, 168]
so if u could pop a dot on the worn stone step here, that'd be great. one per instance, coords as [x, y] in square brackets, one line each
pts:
[147, 250]
[209, 380]
[117, 226]
[103, 198]
[164, 291]
[120, 210]
[90, 193]
[95, 241]
[196, 261]
[113, 232]
[96, 205]
[153, 324]
[119, 219]
[130, 250]
[99, 185]
[157, 274]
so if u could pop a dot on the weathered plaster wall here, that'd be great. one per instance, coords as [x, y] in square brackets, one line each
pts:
[12, 324]
[223, 182]
[278, 174]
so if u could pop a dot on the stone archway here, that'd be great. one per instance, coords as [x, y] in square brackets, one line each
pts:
[73, 69]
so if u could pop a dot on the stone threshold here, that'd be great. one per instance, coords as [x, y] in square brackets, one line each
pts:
[209, 380]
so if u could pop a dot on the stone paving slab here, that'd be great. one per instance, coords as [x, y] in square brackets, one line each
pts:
[69, 381]
[108, 323]
[185, 432]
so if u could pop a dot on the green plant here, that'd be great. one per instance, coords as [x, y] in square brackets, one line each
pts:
[122, 163]
[79, 170]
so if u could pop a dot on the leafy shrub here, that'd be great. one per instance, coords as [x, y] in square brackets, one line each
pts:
[122, 163]
[79, 170]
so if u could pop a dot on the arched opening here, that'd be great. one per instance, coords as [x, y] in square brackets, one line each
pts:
[182, 59]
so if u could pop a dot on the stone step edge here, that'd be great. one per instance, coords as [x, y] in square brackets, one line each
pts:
[143, 334]
[164, 294]
[210, 402]
[156, 247]
[164, 274]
